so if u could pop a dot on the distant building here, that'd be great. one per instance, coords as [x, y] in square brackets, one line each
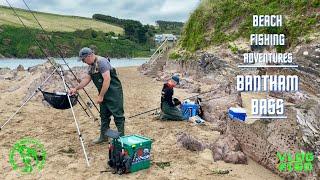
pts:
[114, 37]
[159, 38]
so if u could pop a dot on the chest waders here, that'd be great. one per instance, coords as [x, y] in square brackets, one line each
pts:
[112, 102]
[170, 113]
[168, 110]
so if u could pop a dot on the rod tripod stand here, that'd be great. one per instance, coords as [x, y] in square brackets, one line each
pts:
[57, 69]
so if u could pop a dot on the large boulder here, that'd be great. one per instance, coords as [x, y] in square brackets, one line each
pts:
[209, 62]
[190, 143]
[235, 157]
[20, 68]
[308, 117]
[227, 148]
[295, 98]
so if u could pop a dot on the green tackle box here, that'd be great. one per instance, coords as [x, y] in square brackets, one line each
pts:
[138, 148]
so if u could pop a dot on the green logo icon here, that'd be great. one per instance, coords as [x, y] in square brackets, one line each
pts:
[300, 162]
[26, 155]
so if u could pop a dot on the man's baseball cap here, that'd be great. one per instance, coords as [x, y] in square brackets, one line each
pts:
[84, 52]
[176, 79]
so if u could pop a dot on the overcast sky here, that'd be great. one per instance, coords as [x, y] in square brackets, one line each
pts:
[146, 11]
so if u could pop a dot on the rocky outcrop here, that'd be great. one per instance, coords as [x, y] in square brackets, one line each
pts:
[13, 75]
[295, 98]
[309, 67]
[261, 140]
[4, 71]
[190, 143]
[228, 149]
[209, 63]
[308, 119]
[20, 68]
[235, 157]
[54, 84]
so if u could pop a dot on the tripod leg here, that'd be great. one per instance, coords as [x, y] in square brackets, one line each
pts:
[28, 99]
[74, 117]
[14, 114]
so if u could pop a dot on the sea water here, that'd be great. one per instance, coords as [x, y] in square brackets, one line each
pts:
[72, 62]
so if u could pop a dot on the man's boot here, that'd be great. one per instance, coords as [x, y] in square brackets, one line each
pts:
[101, 139]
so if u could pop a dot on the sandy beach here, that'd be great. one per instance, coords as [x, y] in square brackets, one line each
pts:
[57, 131]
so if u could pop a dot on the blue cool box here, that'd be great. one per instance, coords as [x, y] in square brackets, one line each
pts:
[237, 113]
[189, 109]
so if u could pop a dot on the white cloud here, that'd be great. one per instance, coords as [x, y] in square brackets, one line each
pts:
[172, 7]
[146, 11]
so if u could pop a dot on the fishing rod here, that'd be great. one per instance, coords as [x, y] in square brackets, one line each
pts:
[182, 100]
[41, 49]
[214, 98]
[60, 53]
[28, 99]
[203, 93]
[66, 88]
[144, 112]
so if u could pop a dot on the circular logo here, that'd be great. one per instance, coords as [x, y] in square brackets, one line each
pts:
[27, 154]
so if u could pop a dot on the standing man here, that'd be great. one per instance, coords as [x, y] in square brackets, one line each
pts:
[110, 96]
[169, 111]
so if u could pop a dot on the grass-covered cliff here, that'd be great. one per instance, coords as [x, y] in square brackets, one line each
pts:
[54, 22]
[217, 22]
[20, 43]
[69, 33]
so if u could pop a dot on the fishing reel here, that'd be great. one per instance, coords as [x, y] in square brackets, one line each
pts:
[89, 104]
[200, 110]
[176, 102]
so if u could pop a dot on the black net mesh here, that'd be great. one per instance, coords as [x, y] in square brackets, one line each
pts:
[59, 100]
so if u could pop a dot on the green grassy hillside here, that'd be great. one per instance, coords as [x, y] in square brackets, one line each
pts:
[69, 33]
[17, 42]
[216, 22]
[54, 22]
